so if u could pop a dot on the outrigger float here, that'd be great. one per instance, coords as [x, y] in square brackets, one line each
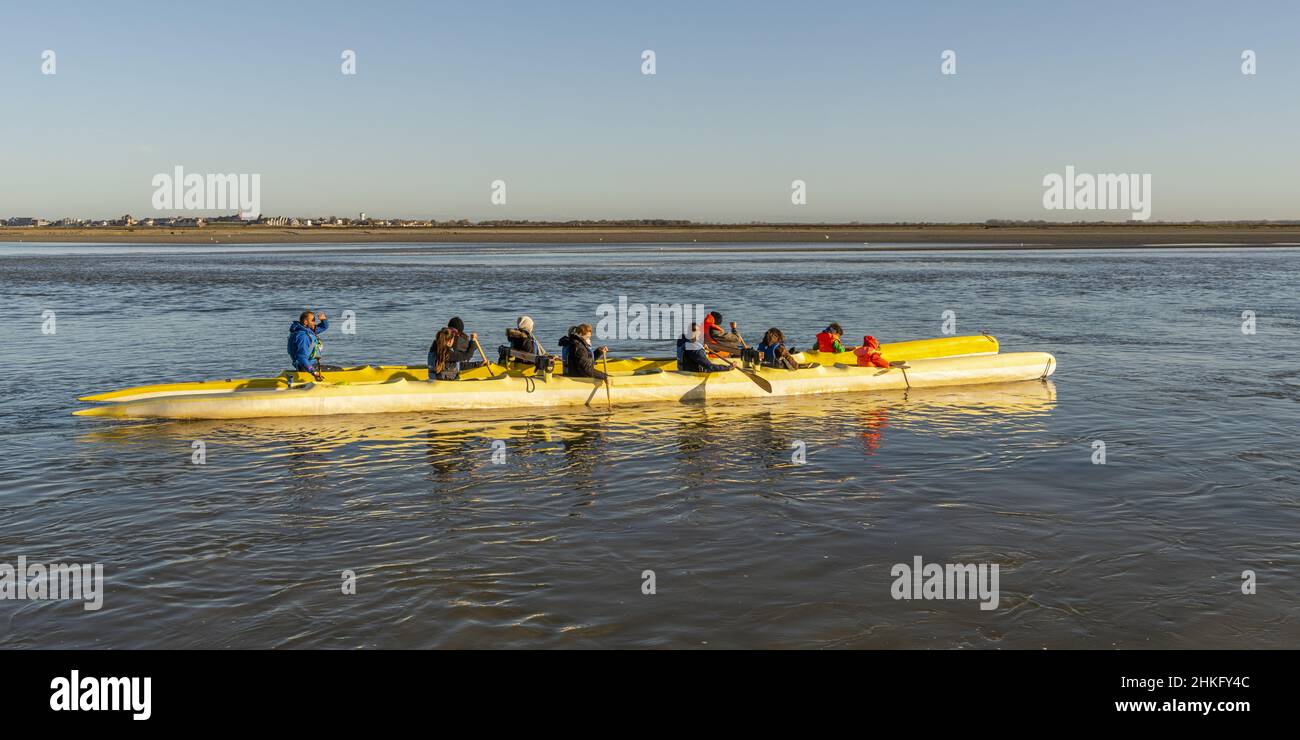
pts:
[928, 363]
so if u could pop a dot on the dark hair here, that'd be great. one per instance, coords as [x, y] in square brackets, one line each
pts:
[773, 337]
[456, 324]
[835, 328]
[716, 316]
[302, 317]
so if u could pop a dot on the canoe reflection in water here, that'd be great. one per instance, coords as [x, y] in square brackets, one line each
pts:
[675, 441]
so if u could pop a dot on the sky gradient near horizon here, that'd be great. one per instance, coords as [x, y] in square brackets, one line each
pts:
[550, 98]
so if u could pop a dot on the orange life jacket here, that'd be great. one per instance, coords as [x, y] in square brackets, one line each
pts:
[826, 342]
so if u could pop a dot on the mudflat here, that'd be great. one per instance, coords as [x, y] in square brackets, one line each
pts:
[919, 236]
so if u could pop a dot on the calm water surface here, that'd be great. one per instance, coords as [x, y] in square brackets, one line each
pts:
[1199, 420]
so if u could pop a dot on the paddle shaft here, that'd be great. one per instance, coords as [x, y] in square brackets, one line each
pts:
[604, 364]
[486, 361]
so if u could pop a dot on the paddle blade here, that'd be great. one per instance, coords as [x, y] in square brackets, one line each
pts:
[759, 380]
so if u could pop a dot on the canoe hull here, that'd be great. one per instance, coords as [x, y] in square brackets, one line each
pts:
[509, 392]
[919, 349]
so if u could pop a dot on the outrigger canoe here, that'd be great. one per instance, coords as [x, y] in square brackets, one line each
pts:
[651, 383]
[921, 349]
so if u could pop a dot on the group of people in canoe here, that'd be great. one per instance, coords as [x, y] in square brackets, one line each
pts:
[454, 349]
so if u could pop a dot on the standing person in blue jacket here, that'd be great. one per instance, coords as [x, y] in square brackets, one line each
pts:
[304, 343]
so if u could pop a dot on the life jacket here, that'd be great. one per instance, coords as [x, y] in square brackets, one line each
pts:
[459, 341]
[826, 342]
[869, 353]
[706, 331]
[769, 352]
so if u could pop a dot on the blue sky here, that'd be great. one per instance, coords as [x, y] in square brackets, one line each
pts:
[549, 97]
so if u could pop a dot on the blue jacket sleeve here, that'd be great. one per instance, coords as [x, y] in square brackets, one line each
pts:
[300, 350]
[322, 326]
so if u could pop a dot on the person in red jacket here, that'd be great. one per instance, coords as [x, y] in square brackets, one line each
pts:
[724, 343]
[869, 353]
[829, 339]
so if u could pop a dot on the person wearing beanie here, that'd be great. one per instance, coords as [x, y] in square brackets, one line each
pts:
[452, 352]
[445, 362]
[462, 341]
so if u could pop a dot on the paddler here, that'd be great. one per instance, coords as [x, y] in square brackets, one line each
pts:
[722, 342]
[869, 353]
[305, 345]
[521, 337]
[774, 352]
[445, 361]
[691, 356]
[462, 341]
[829, 339]
[579, 357]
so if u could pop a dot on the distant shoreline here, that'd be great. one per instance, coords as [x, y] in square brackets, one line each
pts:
[1001, 237]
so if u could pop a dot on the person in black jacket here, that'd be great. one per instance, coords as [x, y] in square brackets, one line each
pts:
[580, 359]
[446, 361]
[463, 341]
[521, 337]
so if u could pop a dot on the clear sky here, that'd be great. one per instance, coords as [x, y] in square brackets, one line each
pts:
[748, 96]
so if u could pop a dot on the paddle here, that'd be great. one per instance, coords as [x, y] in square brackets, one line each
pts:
[759, 381]
[486, 361]
[604, 365]
[736, 331]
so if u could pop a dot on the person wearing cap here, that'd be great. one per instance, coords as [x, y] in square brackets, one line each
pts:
[691, 356]
[521, 337]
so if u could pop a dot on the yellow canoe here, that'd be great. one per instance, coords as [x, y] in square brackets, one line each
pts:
[401, 394]
[914, 350]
